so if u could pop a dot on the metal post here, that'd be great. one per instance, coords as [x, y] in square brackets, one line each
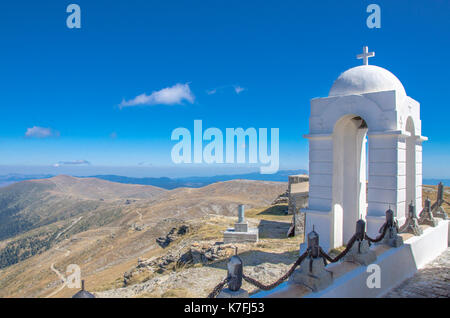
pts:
[391, 236]
[360, 229]
[313, 243]
[235, 268]
[412, 225]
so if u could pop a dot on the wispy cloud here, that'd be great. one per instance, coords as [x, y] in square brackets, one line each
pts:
[72, 163]
[167, 96]
[236, 88]
[211, 91]
[41, 132]
[144, 163]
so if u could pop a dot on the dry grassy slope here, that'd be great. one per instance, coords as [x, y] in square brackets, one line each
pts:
[96, 189]
[218, 198]
[105, 252]
[31, 204]
[431, 193]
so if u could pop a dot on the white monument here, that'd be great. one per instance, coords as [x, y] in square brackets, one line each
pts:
[367, 106]
[241, 233]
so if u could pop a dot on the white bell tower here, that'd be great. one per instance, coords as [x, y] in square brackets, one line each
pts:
[367, 105]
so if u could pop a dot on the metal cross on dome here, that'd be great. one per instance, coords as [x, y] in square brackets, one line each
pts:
[365, 55]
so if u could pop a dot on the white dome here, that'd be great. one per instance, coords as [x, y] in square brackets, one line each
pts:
[366, 79]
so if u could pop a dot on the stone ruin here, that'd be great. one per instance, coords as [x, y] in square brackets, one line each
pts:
[241, 233]
[298, 188]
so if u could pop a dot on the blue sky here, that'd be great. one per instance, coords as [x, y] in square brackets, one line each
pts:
[265, 59]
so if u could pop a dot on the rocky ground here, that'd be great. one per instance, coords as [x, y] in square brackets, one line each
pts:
[200, 281]
[193, 263]
[432, 281]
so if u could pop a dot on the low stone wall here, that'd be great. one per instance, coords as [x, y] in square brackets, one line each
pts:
[297, 201]
[232, 236]
[298, 219]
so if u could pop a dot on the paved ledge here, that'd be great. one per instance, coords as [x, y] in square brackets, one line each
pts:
[432, 281]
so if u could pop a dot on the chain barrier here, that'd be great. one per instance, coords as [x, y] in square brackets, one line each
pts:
[218, 288]
[342, 254]
[379, 237]
[351, 242]
[322, 253]
[280, 280]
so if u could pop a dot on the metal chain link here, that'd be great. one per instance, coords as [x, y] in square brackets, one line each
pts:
[280, 280]
[342, 254]
[218, 288]
[379, 237]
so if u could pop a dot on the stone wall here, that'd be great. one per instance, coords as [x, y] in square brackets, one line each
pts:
[297, 201]
[298, 190]
[299, 223]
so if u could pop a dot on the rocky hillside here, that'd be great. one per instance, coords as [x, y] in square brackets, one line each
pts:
[31, 204]
[102, 226]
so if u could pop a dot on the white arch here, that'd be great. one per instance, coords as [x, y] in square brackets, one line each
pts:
[349, 175]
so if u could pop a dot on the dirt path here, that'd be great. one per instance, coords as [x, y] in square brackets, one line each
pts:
[68, 228]
[140, 216]
[66, 254]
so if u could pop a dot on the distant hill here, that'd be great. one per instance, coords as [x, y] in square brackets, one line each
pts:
[168, 183]
[30, 204]
[198, 182]
[35, 213]
[13, 178]
[191, 182]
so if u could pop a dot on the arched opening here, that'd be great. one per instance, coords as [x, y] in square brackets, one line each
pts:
[410, 164]
[349, 176]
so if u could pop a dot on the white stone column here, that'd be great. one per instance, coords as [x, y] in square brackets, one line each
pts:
[319, 212]
[387, 178]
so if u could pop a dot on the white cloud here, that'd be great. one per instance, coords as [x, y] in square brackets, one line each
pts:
[167, 96]
[238, 89]
[72, 163]
[41, 132]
